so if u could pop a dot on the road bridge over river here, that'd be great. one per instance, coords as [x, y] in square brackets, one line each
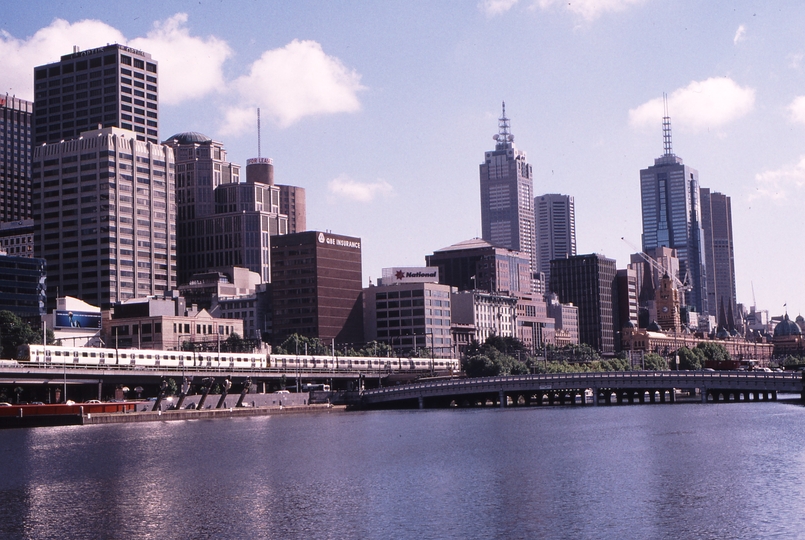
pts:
[586, 388]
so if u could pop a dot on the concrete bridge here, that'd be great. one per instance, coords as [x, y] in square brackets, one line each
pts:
[585, 388]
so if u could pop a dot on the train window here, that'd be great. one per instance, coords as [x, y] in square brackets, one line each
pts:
[141, 357]
[84, 354]
[92, 355]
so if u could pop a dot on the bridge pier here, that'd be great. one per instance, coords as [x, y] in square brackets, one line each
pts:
[421, 401]
[595, 397]
[704, 395]
[502, 398]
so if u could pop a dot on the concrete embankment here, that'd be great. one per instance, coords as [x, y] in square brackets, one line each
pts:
[166, 416]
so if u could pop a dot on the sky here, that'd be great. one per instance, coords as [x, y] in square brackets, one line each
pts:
[382, 111]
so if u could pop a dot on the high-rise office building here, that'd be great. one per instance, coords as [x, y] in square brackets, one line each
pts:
[292, 204]
[669, 192]
[556, 229]
[507, 196]
[589, 282]
[477, 265]
[15, 158]
[104, 216]
[111, 86]
[316, 287]
[718, 249]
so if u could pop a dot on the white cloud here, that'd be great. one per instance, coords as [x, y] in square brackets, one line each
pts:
[18, 57]
[346, 188]
[700, 105]
[293, 82]
[189, 66]
[740, 35]
[795, 60]
[780, 184]
[590, 9]
[797, 109]
[496, 7]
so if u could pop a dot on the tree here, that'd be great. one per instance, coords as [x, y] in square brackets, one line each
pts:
[492, 363]
[15, 332]
[295, 344]
[690, 359]
[654, 362]
[714, 352]
[235, 343]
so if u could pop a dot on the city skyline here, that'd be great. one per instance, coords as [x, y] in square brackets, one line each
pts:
[406, 119]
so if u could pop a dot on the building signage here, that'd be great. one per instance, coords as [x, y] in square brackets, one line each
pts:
[421, 274]
[78, 319]
[340, 242]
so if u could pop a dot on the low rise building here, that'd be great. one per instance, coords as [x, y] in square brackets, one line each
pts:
[166, 324]
[409, 316]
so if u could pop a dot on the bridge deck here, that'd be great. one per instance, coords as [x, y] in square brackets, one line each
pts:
[720, 380]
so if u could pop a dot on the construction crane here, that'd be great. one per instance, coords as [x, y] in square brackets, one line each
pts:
[659, 268]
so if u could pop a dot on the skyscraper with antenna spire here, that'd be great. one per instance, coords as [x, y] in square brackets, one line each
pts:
[507, 195]
[669, 192]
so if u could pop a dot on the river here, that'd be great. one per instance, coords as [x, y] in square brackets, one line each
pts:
[642, 471]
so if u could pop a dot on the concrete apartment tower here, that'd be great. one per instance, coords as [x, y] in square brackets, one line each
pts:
[718, 249]
[111, 86]
[556, 229]
[507, 196]
[672, 217]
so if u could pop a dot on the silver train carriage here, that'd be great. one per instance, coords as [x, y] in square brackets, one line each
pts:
[147, 358]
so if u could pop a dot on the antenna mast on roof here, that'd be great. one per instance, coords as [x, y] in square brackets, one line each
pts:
[666, 127]
[504, 136]
[258, 133]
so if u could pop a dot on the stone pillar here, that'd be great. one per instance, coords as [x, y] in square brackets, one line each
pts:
[704, 395]
[421, 402]
[502, 397]
[595, 396]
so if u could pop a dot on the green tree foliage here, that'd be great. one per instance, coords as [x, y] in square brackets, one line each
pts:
[654, 362]
[497, 356]
[695, 358]
[791, 360]
[295, 344]
[15, 332]
[572, 353]
[714, 351]
[690, 359]
[492, 363]
[235, 343]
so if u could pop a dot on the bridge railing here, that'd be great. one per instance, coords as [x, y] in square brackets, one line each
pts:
[588, 380]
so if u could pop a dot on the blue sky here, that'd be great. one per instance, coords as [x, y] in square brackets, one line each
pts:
[383, 110]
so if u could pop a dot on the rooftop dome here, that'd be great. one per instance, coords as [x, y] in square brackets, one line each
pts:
[787, 327]
[189, 137]
[630, 324]
[654, 326]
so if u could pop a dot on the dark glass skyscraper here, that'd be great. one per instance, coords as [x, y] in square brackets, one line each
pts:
[507, 196]
[15, 158]
[717, 224]
[669, 192]
[111, 86]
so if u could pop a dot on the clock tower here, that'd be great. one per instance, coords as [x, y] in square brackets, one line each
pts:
[667, 299]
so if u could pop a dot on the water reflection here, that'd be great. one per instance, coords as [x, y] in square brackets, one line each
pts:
[732, 470]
